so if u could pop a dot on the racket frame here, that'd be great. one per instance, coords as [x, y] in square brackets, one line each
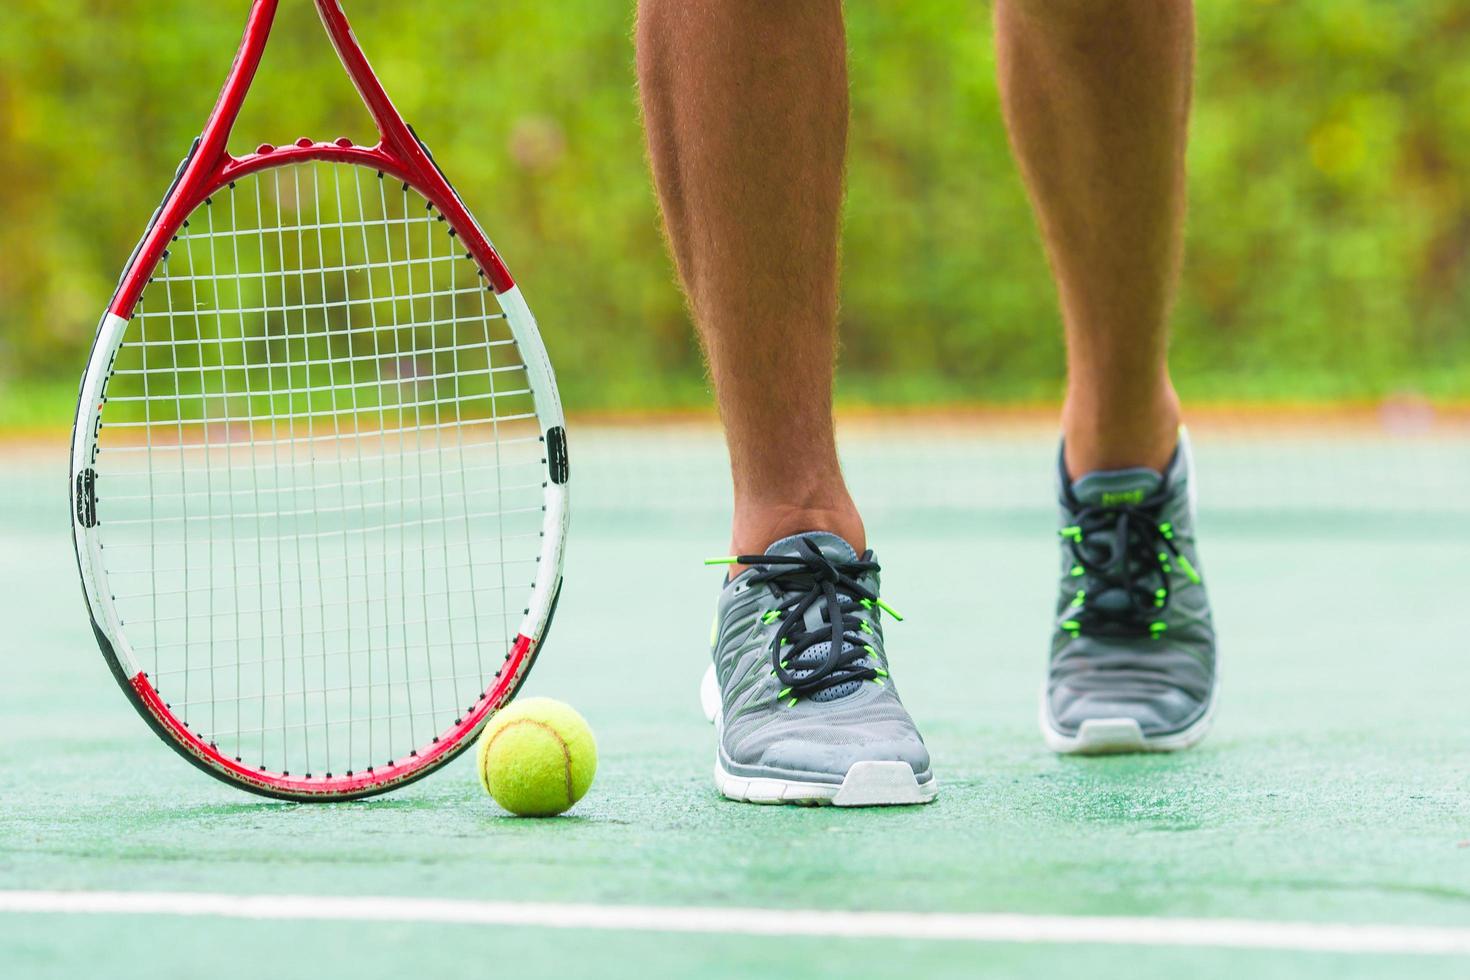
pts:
[207, 168]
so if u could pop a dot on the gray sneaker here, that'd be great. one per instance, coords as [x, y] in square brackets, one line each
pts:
[1133, 665]
[799, 689]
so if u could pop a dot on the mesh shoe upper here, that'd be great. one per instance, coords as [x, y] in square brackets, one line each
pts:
[808, 712]
[1133, 636]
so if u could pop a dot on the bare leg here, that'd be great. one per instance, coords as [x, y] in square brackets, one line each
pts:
[1096, 96]
[746, 112]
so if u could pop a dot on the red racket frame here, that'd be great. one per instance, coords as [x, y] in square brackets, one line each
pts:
[209, 167]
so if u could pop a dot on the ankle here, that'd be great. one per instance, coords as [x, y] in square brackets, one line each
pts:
[757, 526]
[1106, 437]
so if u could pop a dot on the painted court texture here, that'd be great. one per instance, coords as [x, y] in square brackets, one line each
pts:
[1322, 830]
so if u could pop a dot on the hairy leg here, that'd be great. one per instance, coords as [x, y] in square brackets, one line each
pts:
[745, 107]
[1096, 96]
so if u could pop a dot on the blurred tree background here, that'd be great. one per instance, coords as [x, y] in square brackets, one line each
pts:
[1329, 245]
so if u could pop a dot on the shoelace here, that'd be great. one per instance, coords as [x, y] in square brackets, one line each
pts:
[1138, 553]
[801, 581]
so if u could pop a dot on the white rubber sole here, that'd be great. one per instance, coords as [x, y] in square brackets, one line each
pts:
[866, 783]
[1118, 736]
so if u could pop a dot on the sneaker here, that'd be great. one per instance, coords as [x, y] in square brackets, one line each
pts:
[799, 691]
[1133, 665]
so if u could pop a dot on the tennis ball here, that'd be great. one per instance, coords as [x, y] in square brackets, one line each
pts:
[537, 757]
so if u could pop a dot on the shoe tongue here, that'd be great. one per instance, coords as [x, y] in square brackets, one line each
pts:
[829, 544]
[835, 549]
[1114, 488]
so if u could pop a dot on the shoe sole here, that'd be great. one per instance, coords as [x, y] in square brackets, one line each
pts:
[866, 783]
[1121, 736]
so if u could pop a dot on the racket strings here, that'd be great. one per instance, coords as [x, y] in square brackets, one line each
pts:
[319, 473]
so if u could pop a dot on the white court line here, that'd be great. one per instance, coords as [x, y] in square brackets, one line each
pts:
[1109, 930]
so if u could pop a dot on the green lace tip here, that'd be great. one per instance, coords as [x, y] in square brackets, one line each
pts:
[784, 691]
[791, 703]
[1189, 570]
[889, 610]
[727, 560]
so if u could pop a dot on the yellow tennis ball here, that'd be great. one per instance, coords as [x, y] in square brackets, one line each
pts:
[537, 757]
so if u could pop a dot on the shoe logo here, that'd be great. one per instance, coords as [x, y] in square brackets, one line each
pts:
[1123, 497]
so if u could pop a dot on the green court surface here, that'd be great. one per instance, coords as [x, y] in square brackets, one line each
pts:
[1335, 789]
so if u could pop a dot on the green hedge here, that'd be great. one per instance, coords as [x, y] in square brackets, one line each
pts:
[1329, 234]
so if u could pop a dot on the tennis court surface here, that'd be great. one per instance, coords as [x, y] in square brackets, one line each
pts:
[1322, 830]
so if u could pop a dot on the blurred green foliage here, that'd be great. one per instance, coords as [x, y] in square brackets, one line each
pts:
[1329, 246]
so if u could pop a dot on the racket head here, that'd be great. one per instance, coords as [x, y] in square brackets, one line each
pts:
[376, 468]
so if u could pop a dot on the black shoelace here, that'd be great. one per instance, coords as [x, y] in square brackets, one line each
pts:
[800, 581]
[1126, 556]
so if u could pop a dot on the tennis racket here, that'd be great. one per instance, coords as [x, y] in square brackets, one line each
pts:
[319, 469]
